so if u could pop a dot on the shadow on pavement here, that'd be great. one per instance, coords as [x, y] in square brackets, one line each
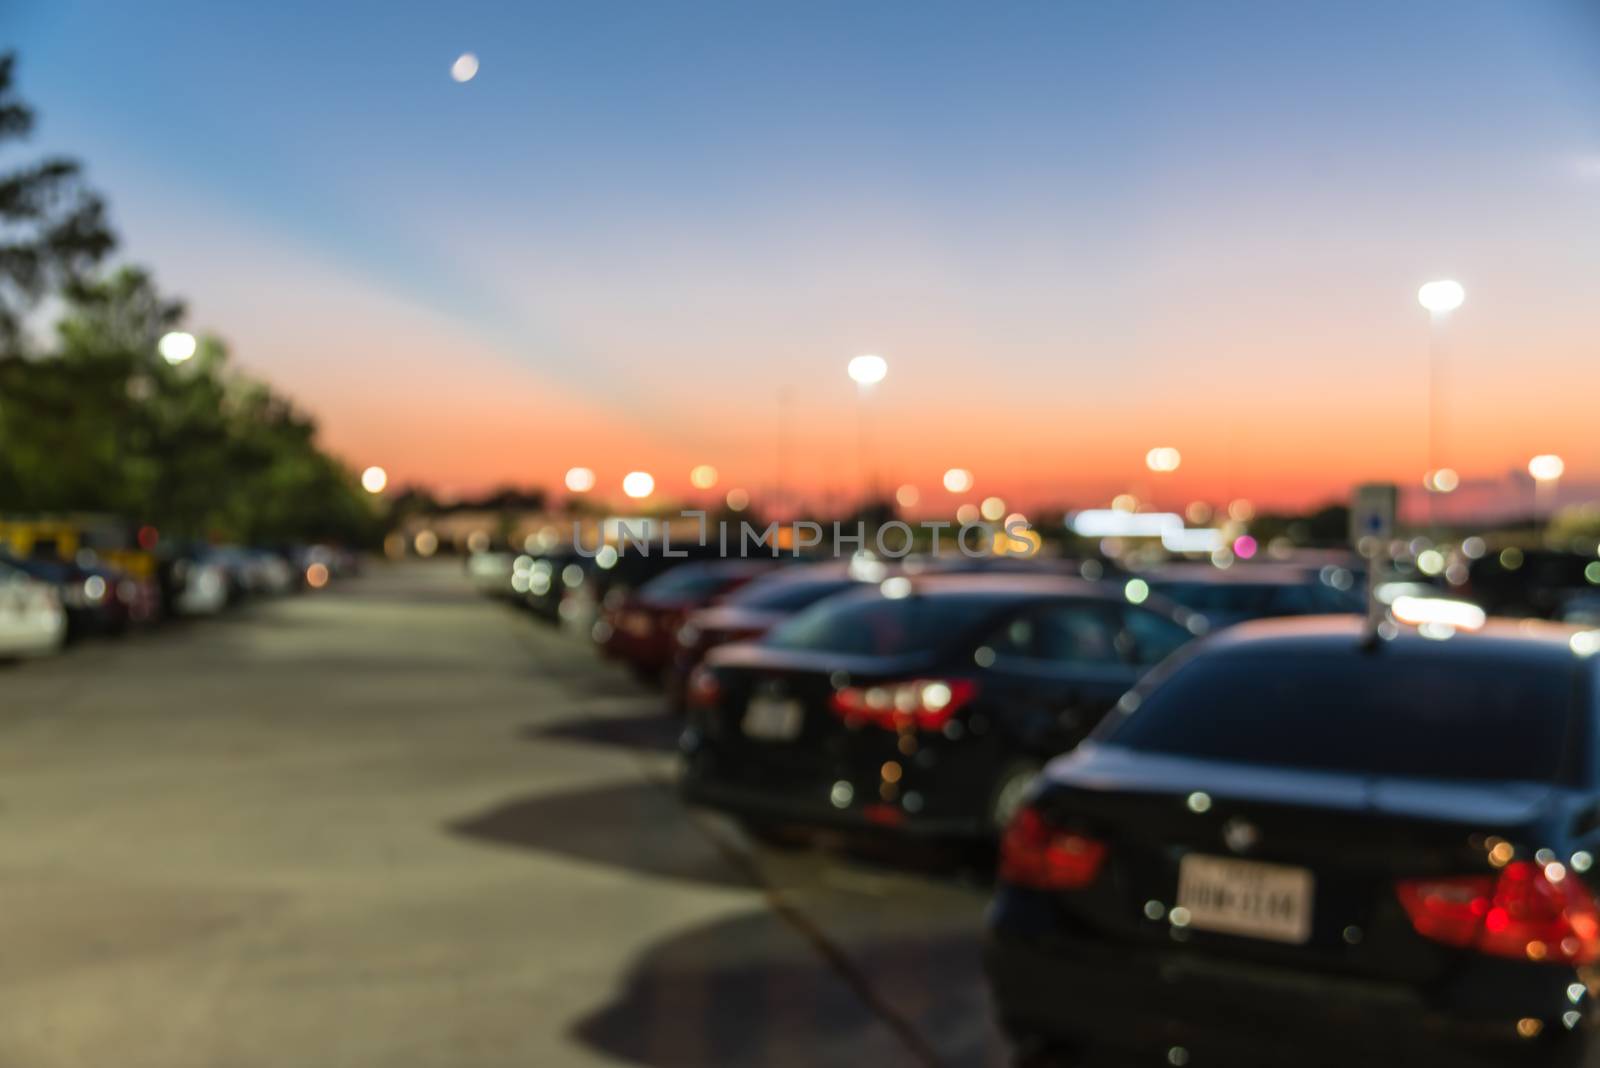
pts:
[654, 731]
[750, 991]
[633, 826]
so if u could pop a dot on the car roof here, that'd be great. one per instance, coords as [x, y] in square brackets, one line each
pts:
[1018, 584]
[1532, 638]
[1270, 574]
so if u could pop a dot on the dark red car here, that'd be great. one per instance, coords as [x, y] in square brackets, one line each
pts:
[641, 627]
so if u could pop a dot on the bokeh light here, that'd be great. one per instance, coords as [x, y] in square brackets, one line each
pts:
[638, 484]
[176, 347]
[580, 479]
[703, 477]
[1163, 460]
[1441, 297]
[374, 479]
[868, 370]
[1546, 468]
[907, 496]
[465, 68]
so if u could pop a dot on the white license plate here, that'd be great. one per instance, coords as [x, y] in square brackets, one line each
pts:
[1246, 897]
[772, 719]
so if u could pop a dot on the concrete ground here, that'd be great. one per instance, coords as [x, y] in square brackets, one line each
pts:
[393, 824]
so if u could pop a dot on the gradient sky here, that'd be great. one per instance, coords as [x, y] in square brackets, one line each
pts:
[1074, 230]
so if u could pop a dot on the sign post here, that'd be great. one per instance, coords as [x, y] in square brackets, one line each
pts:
[1372, 525]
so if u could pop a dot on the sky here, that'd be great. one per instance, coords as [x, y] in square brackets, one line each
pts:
[649, 236]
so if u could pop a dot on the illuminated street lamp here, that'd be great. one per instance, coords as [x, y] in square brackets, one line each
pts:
[868, 370]
[1163, 460]
[176, 347]
[865, 371]
[638, 484]
[580, 479]
[374, 479]
[1440, 298]
[1546, 469]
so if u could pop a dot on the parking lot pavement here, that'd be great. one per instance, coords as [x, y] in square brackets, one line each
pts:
[393, 823]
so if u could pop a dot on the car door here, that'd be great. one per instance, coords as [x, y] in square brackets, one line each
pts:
[1054, 669]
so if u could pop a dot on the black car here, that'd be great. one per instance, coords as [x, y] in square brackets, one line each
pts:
[920, 705]
[751, 611]
[1303, 844]
[1258, 591]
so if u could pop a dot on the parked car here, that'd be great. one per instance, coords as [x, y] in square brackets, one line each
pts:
[1301, 843]
[1256, 591]
[32, 620]
[90, 595]
[193, 584]
[749, 612]
[924, 706]
[1532, 582]
[641, 627]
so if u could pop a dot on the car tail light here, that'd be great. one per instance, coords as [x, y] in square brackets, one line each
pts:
[704, 689]
[926, 704]
[1528, 911]
[1037, 854]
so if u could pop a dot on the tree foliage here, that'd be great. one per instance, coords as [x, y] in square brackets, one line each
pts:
[103, 424]
[52, 227]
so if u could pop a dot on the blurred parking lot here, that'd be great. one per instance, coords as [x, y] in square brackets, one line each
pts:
[397, 823]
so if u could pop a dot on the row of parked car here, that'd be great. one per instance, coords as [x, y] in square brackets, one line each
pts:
[1239, 819]
[47, 601]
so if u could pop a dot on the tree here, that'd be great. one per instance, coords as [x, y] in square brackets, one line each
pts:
[52, 227]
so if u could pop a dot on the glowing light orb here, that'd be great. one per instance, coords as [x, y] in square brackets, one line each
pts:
[868, 370]
[176, 347]
[1163, 460]
[958, 480]
[374, 479]
[1441, 297]
[1546, 468]
[638, 484]
[465, 68]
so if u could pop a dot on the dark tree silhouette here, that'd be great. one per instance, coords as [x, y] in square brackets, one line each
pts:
[52, 227]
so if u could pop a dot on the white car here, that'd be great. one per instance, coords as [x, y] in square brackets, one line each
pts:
[32, 621]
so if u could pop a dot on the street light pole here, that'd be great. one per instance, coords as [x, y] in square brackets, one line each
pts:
[1440, 298]
[866, 372]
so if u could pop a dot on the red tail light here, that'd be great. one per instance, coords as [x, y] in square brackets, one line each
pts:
[704, 689]
[1528, 911]
[926, 704]
[1035, 853]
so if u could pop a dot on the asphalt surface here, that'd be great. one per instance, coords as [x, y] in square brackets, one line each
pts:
[393, 823]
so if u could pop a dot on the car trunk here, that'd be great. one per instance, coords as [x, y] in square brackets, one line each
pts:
[1275, 866]
[798, 741]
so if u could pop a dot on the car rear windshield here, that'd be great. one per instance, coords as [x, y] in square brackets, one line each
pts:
[786, 595]
[687, 583]
[872, 625]
[1421, 713]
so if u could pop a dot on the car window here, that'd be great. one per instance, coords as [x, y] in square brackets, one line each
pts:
[1418, 712]
[1155, 637]
[1077, 634]
[873, 625]
[1293, 601]
[1082, 633]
